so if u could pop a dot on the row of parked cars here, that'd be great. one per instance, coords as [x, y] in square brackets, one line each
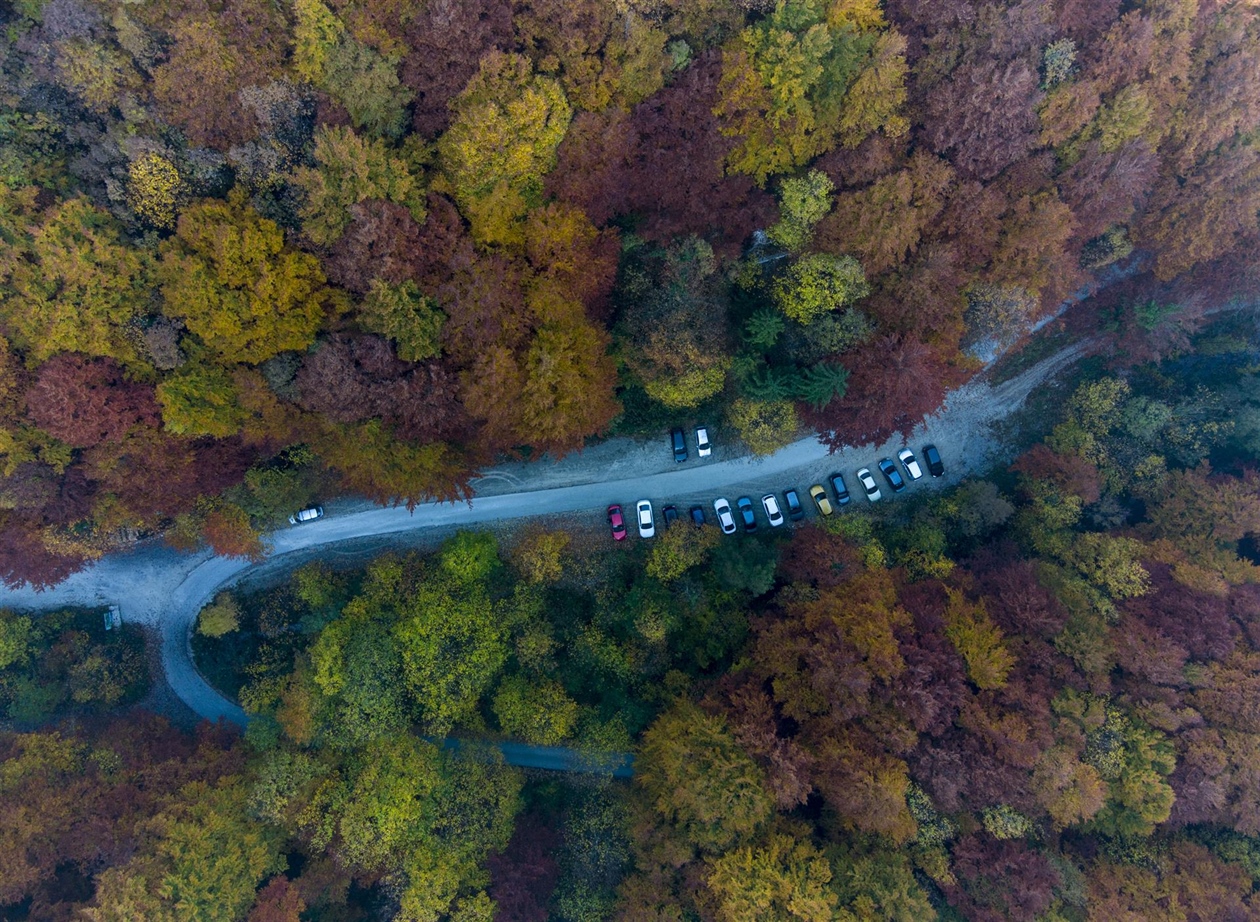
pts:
[646, 521]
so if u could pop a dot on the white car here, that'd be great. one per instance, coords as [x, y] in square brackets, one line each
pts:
[723, 510]
[703, 448]
[643, 512]
[907, 459]
[772, 510]
[868, 484]
[307, 515]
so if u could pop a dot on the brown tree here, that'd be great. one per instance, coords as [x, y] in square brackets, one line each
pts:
[84, 401]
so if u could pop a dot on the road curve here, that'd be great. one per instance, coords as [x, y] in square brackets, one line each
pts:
[167, 590]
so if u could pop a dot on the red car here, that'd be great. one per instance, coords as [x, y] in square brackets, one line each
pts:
[617, 522]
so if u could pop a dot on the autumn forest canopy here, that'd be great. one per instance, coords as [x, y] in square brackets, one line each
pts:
[259, 253]
[268, 251]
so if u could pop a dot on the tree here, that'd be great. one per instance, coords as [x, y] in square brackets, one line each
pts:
[508, 123]
[200, 399]
[362, 79]
[764, 425]
[674, 324]
[230, 277]
[679, 550]
[406, 316]
[782, 879]
[700, 781]
[223, 616]
[85, 401]
[984, 115]
[351, 170]
[452, 645]
[567, 393]
[536, 710]
[819, 283]
[803, 203]
[155, 190]
[791, 85]
[885, 223]
[75, 285]
[196, 86]
[445, 42]
[997, 315]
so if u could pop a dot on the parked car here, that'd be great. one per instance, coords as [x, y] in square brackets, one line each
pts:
[842, 492]
[772, 510]
[793, 503]
[746, 512]
[933, 458]
[819, 496]
[670, 514]
[891, 474]
[868, 484]
[722, 509]
[697, 516]
[617, 522]
[906, 457]
[679, 441]
[703, 448]
[643, 511]
[307, 515]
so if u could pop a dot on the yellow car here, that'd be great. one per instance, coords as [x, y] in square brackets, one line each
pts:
[819, 496]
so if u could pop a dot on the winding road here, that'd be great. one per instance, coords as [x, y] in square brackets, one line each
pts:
[165, 590]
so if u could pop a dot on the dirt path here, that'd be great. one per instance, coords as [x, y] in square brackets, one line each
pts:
[166, 590]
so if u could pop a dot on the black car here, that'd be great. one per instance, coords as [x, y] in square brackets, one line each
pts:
[745, 506]
[697, 515]
[793, 502]
[671, 515]
[680, 445]
[891, 474]
[842, 492]
[933, 458]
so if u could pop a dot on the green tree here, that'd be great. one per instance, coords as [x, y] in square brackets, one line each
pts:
[764, 328]
[453, 645]
[819, 283]
[16, 638]
[507, 125]
[803, 202]
[406, 316]
[223, 616]
[228, 274]
[821, 384]
[700, 781]
[978, 641]
[1134, 760]
[348, 170]
[536, 710]
[199, 400]
[678, 550]
[764, 425]
[782, 879]
[73, 284]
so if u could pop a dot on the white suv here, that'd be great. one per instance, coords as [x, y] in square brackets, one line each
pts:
[307, 515]
[703, 448]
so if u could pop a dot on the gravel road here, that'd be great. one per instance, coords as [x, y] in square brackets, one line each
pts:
[165, 590]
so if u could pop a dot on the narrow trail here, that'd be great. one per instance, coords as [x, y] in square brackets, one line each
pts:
[166, 590]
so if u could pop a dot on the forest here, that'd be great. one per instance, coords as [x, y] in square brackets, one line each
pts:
[265, 252]
[1028, 697]
[255, 254]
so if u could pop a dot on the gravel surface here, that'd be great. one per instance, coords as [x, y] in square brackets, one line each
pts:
[165, 590]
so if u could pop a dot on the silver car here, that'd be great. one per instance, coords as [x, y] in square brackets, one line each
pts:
[725, 519]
